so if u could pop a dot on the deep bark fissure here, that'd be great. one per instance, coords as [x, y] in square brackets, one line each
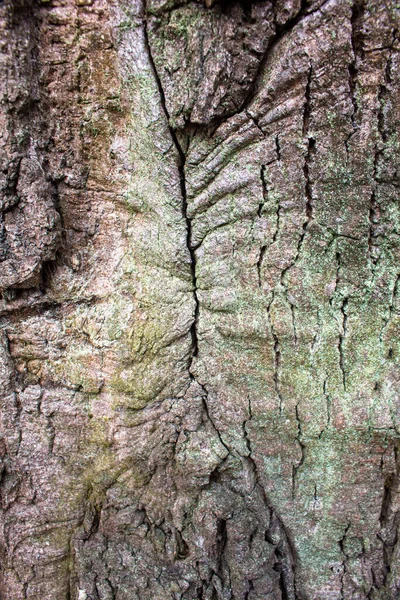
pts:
[207, 411]
[280, 32]
[356, 47]
[342, 323]
[250, 586]
[371, 229]
[277, 368]
[307, 103]
[299, 440]
[389, 520]
[261, 205]
[342, 542]
[278, 148]
[342, 337]
[276, 534]
[182, 178]
[391, 309]
[308, 183]
[264, 197]
[328, 403]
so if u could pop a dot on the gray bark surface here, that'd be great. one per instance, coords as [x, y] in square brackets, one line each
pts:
[200, 312]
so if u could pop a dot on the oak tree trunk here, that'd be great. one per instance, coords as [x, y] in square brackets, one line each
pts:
[200, 313]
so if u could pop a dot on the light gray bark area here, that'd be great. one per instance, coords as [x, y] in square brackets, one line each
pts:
[200, 317]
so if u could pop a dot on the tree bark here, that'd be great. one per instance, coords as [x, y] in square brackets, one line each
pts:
[200, 313]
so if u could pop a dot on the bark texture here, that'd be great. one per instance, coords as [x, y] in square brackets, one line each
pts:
[200, 313]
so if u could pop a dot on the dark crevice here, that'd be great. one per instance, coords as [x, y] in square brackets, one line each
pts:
[207, 412]
[278, 222]
[181, 168]
[280, 32]
[307, 104]
[391, 310]
[342, 542]
[296, 468]
[372, 220]
[259, 213]
[353, 75]
[357, 49]
[357, 35]
[309, 204]
[222, 538]
[275, 534]
[250, 588]
[389, 519]
[278, 148]
[328, 404]
[259, 264]
[342, 337]
[52, 432]
[284, 566]
[338, 267]
[386, 502]
[343, 324]
[256, 122]
[374, 208]
[311, 149]
[277, 367]
[182, 551]
[293, 315]
[264, 191]
[308, 186]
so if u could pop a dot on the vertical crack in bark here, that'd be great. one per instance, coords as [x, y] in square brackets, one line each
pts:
[278, 208]
[342, 542]
[276, 533]
[222, 539]
[264, 191]
[342, 337]
[295, 468]
[280, 32]
[356, 46]
[250, 588]
[382, 94]
[343, 323]
[308, 186]
[261, 205]
[277, 360]
[182, 177]
[307, 161]
[389, 519]
[259, 213]
[373, 207]
[338, 267]
[391, 309]
[293, 314]
[308, 193]
[328, 403]
[206, 410]
[277, 367]
[307, 104]
[278, 148]
[371, 230]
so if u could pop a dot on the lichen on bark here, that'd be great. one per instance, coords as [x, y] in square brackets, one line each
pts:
[200, 312]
